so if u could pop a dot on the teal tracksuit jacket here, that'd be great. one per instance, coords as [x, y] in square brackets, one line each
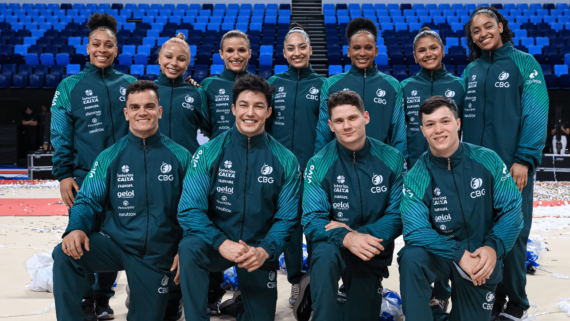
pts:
[242, 188]
[296, 111]
[218, 91]
[137, 183]
[416, 90]
[183, 110]
[382, 96]
[87, 117]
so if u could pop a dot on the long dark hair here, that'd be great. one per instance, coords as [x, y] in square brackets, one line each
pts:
[506, 36]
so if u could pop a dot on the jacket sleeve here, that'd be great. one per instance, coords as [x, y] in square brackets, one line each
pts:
[204, 125]
[62, 131]
[389, 227]
[507, 202]
[90, 201]
[286, 216]
[271, 118]
[398, 137]
[324, 133]
[316, 208]
[535, 103]
[193, 206]
[415, 218]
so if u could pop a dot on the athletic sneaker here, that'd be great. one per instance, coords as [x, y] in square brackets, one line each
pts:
[294, 294]
[173, 310]
[233, 306]
[88, 306]
[341, 296]
[103, 310]
[302, 308]
[498, 308]
[513, 312]
[214, 299]
[128, 299]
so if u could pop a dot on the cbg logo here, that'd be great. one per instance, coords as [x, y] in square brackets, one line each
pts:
[449, 93]
[501, 83]
[380, 93]
[377, 180]
[266, 170]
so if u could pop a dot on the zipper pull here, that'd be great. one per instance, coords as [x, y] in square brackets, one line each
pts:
[364, 73]
[298, 74]
[354, 157]
[144, 144]
[432, 75]
[248, 142]
[449, 164]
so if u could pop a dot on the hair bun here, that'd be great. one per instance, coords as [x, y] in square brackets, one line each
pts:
[102, 20]
[425, 29]
[361, 24]
[296, 25]
[180, 35]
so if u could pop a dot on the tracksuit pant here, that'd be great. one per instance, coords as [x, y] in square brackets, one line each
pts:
[198, 259]
[149, 285]
[514, 274]
[294, 250]
[420, 268]
[362, 281]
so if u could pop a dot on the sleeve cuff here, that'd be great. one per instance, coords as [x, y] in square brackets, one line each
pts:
[459, 253]
[337, 237]
[525, 163]
[64, 176]
[491, 242]
[269, 248]
[218, 240]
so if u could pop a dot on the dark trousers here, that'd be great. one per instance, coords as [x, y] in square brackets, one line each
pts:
[514, 274]
[149, 285]
[361, 279]
[294, 250]
[420, 268]
[198, 259]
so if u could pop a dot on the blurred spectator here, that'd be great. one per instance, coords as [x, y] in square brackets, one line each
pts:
[30, 129]
[564, 130]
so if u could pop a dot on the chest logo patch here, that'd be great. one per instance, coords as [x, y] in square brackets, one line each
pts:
[414, 92]
[503, 76]
[88, 92]
[377, 180]
[222, 91]
[313, 91]
[502, 83]
[313, 94]
[533, 74]
[125, 168]
[437, 191]
[473, 77]
[477, 183]
[266, 170]
[340, 179]
[449, 93]
[189, 99]
[228, 164]
[380, 93]
[281, 89]
[165, 169]
[123, 92]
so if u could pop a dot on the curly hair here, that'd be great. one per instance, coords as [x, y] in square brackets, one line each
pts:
[506, 36]
[102, 22]
[255, 84]
[358, 25]
[347, 97]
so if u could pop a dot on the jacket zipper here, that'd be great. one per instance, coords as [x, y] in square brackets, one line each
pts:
[358, 179]
[364, 85]
[244, 189]
[170, 112]
[485, 105]
[110, 105]
[146, 197]
[460, 206]
[431, 83]
[294, 107]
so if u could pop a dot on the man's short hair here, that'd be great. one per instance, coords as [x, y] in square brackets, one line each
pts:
[347, 97]
[252, 83]
[141, 85]
[435, 102]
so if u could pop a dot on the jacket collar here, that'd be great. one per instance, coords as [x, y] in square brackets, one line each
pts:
[437, 74]
[498, 53]
[231, 75]
[299, 73]
[443, 162]
[369, 71]
[148, 142]
[106, 71]
[165, 81]
[242, 140]
[350, 155]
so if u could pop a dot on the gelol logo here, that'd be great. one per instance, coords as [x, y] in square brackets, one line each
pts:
[225, 190]
[126, 194]
[380, 93]
[437, 191]
[503, 76]
[165, 168]
[377, 179]
[340, 179]
[414, 92]
[189, 99]
[341, 206]
[281, 89]
[125, 168]
[533, 74]
[443, 218]
[228, 164]
[266, 169]
[449, 93]
[313, 91]
[476, 183]
[222, 91]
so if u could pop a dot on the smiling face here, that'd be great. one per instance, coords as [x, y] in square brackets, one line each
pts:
[236, 53]
[102, 48]
[143, 112]
[173, 60]
[349, 125]
[440, 129]
[251, 111]
[428, 53]
[362, 50]
[486, 32]
[297, 51]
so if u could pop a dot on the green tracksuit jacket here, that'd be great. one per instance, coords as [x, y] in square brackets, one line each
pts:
[137, 183]
[461, 203]
[361, 189]
[382, 96]
[296, 111]
[506, 105]
[87, 117]
[218, 90]
[242, 188]
[183, 110]
[416, 90]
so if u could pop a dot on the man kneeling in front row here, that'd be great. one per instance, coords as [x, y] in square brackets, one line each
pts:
[137, 182]
[461, 211]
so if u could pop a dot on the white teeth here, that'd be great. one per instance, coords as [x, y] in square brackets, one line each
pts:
[171, 70]
[143, 120]
[101, 58]
[249, 121]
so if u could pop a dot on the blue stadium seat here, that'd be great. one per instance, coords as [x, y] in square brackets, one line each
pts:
[62, 59]
[153, 69]
[281, 68]
[137, 71]
[141, 59]
[216, 69]
[73, 69]
[47, 59]
[19, 81]
[125, 59]
[560, 70]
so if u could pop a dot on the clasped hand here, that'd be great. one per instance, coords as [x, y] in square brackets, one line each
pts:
[365, 246]
[479, 264]
[247, 257]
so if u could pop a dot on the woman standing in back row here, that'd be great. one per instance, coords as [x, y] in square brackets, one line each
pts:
[506, 110]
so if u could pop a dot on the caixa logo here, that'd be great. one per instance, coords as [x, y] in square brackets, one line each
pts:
[502, 83]
[126, 194]
[380, 93]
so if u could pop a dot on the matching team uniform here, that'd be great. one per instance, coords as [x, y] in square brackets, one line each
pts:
[506, 110]
[238, 188]
[361, 189]
[382, 96]
[416, 90]
[450, 205]
[137, 183]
